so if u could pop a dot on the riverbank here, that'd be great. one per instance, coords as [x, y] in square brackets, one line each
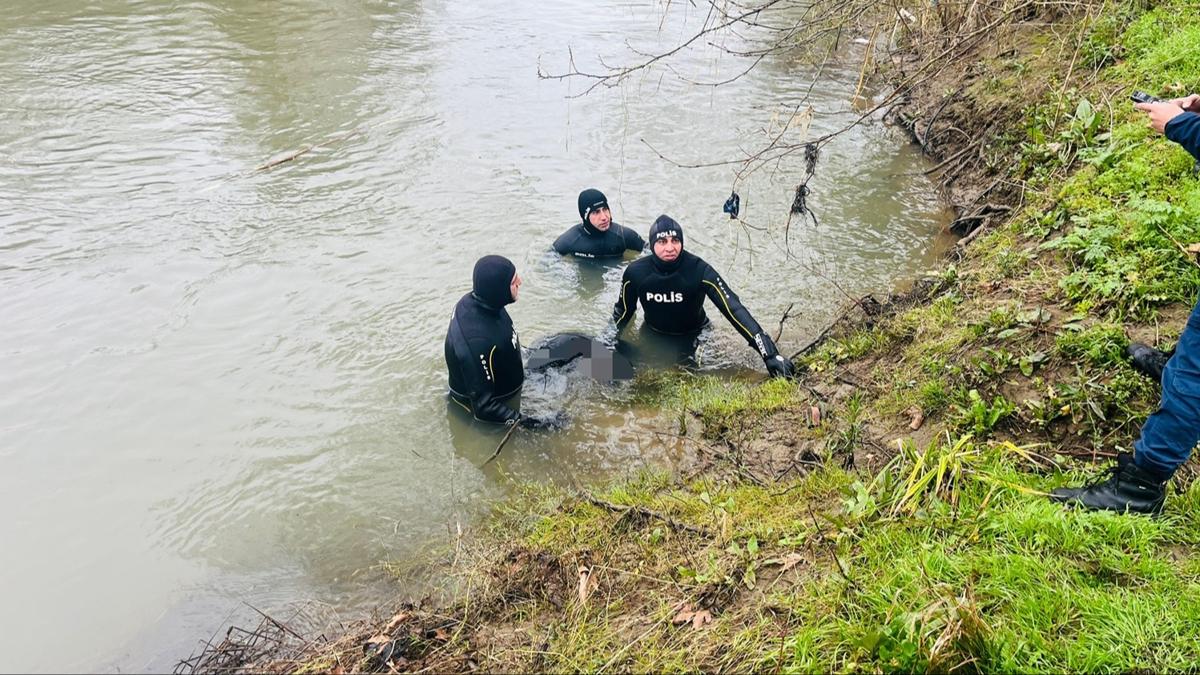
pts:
[887, 511]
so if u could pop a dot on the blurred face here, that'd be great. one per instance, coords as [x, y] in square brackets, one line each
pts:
[668, 248]
[515, 286]
[601, 218]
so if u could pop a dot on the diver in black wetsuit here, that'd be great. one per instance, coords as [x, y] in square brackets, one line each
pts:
[483, 352]
[597, 236]
[671, 284]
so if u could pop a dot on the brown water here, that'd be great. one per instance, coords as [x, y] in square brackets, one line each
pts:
[221, 386]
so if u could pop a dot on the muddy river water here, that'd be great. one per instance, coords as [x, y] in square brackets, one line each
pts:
[222, 387]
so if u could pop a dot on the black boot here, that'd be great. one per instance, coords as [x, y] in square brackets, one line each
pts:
[1124, 487]
[1147, 360]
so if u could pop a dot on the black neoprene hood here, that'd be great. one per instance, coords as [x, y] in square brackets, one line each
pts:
[590, 200]
[492, 278]
[664, 226]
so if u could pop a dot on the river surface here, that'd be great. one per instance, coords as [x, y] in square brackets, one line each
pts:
[222, 387]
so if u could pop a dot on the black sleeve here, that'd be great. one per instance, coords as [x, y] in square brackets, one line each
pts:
[1185, 130]
[633, 240]
[479, 381]
[738, 316]
[626, 305]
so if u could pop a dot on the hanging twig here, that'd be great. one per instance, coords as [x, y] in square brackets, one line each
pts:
[786, 313]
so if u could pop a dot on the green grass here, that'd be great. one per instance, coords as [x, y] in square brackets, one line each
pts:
[950, 559]
[1101, 345]
[1135, 200]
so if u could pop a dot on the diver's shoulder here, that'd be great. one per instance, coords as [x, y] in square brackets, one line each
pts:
[691, 260]
[641, 265]
[567, 240]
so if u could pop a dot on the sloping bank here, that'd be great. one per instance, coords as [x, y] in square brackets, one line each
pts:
[887, 512]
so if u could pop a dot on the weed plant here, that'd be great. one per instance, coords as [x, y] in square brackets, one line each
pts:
[951, 559]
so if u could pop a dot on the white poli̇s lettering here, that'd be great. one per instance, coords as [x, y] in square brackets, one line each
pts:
[674, 296]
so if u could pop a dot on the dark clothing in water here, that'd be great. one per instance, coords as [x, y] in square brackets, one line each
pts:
[483, 355]
[672, 295]
[584, 241]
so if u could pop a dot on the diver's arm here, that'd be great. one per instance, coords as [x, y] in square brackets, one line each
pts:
[565, 244]
[1185, 130]
[626, 305]
[479, 381]
[734, 311]
[485, 405]
[633, 240]
[739, 317]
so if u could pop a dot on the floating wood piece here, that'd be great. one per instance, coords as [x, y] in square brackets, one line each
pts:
[511, 428]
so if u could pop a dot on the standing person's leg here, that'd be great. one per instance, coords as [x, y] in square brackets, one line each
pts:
[1138, 483]
[1171, 433]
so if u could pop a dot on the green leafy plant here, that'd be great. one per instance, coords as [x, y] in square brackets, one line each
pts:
[979, 417]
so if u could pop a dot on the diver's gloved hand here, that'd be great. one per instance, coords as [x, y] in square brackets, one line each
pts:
[777, 365]
[551, 421]
[780, 366]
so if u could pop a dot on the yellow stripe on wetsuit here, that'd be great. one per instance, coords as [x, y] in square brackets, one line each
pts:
[728, 311]
[624, 302]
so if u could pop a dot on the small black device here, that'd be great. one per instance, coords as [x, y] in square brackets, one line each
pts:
[732, 205]
[1143, 97]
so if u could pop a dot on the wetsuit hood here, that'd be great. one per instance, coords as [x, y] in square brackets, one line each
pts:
[664, 226]
[491, 280]
[590, 200]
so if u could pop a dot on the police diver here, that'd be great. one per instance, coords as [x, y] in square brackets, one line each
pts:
[483, 352]
[671, 284]
[597, 236]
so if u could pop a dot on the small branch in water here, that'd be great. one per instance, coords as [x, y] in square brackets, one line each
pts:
[283, 159]
[511, 428]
